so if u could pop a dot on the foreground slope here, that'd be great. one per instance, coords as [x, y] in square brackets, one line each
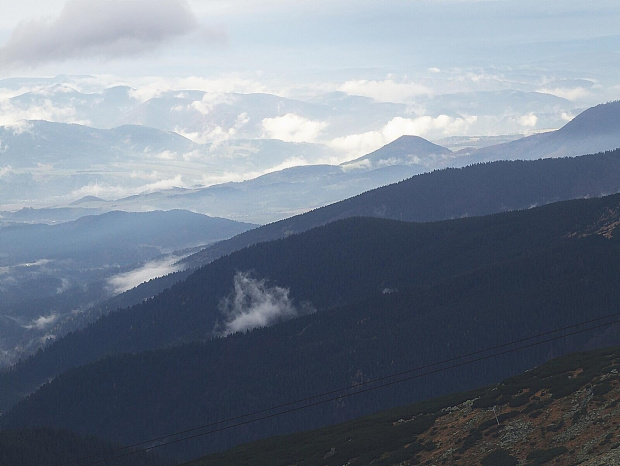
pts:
[563, 412]
[389, 296]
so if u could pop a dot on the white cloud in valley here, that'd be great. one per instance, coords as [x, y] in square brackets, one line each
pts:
[388, 90]
[108, 191]
[529, 120]
[15, 117]
[292, 128]
[216, 88]
[127, 280]
[254, 303]
[43, 322]
[572, 94]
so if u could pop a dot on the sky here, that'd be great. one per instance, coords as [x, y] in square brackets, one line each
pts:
[301, 42]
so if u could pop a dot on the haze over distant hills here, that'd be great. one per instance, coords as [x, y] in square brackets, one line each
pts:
[125, 141]
[287, 192]
[51, 275]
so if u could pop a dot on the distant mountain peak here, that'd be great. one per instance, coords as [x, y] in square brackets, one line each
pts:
[406, 150]
[86, 199]
[601, 119]
[594, 130]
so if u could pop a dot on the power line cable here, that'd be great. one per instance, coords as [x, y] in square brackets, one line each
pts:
[387, 384]
[310, 403]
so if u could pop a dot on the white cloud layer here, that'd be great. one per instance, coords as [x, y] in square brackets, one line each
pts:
[107, 29]
[154, 86]
[292, 128]
[214, 135]
[116, 192]
[254, 304]
[529, 120]
[388, 90]
[128, 280]
[14, 117]
[571, 94]
[42, 322]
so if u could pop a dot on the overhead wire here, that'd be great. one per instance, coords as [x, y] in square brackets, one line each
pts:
[238, 421]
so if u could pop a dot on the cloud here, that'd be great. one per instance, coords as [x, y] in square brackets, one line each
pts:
[43, 322]
[385, 91]
[567, 116]
[15, 117]
[213, 135]
[528, 120]
[210, 100]
[128, 280]
[117, 192]
[17, 127]
[254, 304]
[424, 126]
[292, 128]
[107, 29]
[443, 125]
[150, 87]
[571, 94]
[37, 263]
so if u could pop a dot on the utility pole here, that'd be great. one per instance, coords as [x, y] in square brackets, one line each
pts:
[495, 415]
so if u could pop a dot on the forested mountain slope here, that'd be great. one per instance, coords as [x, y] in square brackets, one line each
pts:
[36, 447]
[453, 193]
[389, 296]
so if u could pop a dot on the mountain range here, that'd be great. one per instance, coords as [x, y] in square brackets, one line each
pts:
[149, 162]
[288, 192]
[325, 301]
[398, 295]
[475, 190]
[452, 193]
